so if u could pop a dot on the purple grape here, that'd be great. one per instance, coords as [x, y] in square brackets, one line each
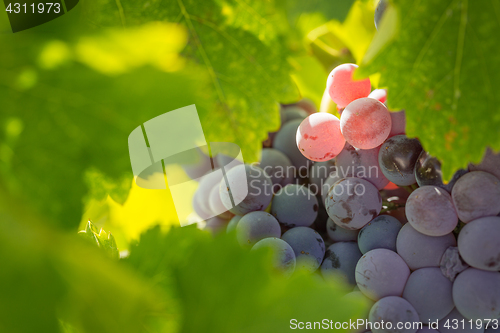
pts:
[295, 206]
[419, 250]
[456, 323]
[285, 142]
[283, 256]
[340, 260]
[490, 163]
[248, 187]
[319, 173]
[231, 226]
[452, 264]
[398, 123]
[308, 246]
[475, 195]
[380, 233]
[479, 243]
[216, 205]
[206, 184]
[353, 202]
[430, 210]
[339, 234]
[216, 224]
[394, 310]
[430, 293]
[428, 172]
[476, 294]
[276, 165]
[397, 158]
[255, 226]
[361, 163]
[381, 273]
[329, 182]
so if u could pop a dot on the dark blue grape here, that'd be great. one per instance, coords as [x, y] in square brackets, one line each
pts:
[340, 260]
[339, 234]
[380, 233]
[394, 310]
[397, 158]
[295, 206]
[255, 226]
[308, 246]
[283, 256]
[430, 293]
[276, 165]
[476, 294]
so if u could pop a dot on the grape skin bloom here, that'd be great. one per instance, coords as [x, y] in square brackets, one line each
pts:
[430, 293]
[283, 256]
[430, 210]
[365, 123]
[340, 260]
[476, 294]
[380, 233]
[353, 202]
[319, 137]
[308, 246]
[361, 163]
[295, 206]
[476, 194]
[255, 226]
[478, 243]
[419, 250]
[381, 273]
[343, 89]
[394, 310]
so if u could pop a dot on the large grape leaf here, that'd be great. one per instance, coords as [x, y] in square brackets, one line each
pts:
[59, 118]
[441, 65]
[236, 43]
[224, 288]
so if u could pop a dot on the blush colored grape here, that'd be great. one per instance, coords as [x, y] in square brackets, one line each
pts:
[343, 89]
[365, 123]
[319, 137]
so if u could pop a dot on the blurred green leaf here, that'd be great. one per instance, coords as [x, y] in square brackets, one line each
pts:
[235, 44]
[51, 281]
[224, 288]
[61, 121]
[441, 66]
[331, 10]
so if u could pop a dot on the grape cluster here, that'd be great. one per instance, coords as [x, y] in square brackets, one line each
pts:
[355, 198]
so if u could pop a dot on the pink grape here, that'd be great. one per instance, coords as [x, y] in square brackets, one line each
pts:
[319, 138]
[379, 94]
[343, 89]
[365, 123]
[398, 123]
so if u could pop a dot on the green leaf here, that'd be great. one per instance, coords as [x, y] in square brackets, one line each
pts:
[331, 10]
[235, 44]
[441, 66]
[51, 281]
[224, 288]
[61, 120]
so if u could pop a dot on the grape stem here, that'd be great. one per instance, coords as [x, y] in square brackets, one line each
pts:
[388, 206]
